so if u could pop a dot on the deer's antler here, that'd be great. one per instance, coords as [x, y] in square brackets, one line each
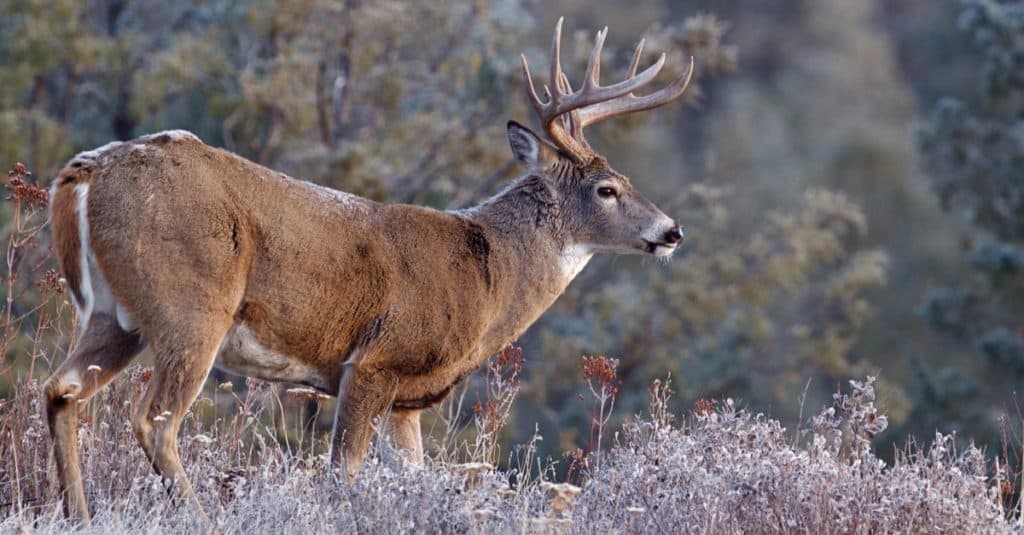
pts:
[566, 112]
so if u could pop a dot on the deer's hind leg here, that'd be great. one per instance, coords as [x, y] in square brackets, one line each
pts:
[183, 354]
[103, 350]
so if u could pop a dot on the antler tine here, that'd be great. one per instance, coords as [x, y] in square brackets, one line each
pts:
[571, 119]
[636, 58]
[593, 76]
[563, 84]
[531, 91]
[556, 62]
[629, 103]
[552, 113]
[631, 83]
[564, 87]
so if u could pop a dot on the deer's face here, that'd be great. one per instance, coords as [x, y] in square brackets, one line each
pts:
[600, 209]
[605, 212]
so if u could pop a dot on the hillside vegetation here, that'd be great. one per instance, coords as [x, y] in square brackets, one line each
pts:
[719, 469]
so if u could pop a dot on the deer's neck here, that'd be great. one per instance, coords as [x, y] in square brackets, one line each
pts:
[535, 254]
[528, 205]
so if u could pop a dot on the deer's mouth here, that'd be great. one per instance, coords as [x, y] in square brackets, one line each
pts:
[660, 249]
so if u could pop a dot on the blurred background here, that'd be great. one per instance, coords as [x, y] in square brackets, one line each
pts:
[848, 174]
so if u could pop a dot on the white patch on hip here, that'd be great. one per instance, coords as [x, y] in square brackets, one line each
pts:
[574, 258]
[85, 285]
[96, 295]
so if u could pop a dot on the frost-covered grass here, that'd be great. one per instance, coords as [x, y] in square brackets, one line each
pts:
[719, 469]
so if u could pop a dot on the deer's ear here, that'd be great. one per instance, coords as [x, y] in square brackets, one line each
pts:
[537, 154]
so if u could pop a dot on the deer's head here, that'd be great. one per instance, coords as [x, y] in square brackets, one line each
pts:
[601, 210]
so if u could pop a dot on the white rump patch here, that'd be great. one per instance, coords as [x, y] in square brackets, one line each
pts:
[574, 258]
[85, 285]
[96, 295]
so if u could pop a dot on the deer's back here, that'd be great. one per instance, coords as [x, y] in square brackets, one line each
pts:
[323, 276]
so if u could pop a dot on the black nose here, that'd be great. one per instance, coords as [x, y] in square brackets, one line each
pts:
[674, 235]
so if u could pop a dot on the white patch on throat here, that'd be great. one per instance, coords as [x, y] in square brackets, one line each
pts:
[574, 258]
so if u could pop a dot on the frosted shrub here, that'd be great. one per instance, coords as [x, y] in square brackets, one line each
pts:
[719, 470]
[727, 470]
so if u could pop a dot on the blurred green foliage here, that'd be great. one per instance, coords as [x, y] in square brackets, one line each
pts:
[974, 153]
[792, 164]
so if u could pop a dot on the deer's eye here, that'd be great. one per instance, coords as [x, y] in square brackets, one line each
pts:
[607, 193]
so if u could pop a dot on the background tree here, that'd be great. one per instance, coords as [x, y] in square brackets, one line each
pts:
[974, 154]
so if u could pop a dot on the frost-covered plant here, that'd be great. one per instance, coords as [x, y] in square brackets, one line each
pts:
[600, 375]
[848, 426]
[719, 470]
[727, 470]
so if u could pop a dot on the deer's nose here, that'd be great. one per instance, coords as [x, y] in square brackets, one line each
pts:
[674, 235]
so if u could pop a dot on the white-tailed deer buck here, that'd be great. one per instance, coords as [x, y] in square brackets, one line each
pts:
[212, 260]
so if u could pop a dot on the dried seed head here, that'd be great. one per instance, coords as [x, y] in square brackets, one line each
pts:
[603, 370]
[703, 407]
[51, 282]
[24, 191]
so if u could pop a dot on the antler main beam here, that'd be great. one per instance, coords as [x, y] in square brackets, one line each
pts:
[565, 112]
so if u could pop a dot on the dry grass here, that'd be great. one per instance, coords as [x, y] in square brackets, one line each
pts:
[721, 470]
[255, 469]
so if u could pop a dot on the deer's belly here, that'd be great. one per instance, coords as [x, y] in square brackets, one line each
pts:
[424, 390]
[242, 354]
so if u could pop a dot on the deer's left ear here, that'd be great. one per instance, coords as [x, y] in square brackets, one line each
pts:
[529, 148]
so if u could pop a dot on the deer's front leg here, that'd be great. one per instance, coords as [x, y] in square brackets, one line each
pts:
[364, 394]
[405, 430]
